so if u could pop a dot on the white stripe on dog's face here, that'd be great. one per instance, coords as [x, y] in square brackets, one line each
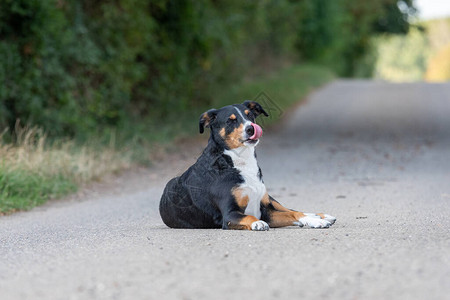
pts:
[246, 123]
[246, 119]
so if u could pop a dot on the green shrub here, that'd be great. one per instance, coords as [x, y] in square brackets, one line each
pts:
[81, 68]
[403, 58]
[339, 33]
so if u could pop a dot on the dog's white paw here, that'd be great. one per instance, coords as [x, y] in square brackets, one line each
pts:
[315, 221]
[260, 226]
[329, 218]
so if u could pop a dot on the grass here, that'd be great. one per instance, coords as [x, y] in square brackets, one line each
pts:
[34, 170]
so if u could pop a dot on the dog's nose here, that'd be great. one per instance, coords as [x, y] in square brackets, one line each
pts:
[254, 131]
[250, 131]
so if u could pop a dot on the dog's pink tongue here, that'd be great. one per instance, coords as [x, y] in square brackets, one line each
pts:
[258, 132]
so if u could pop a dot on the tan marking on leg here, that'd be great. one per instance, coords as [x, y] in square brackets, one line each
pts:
[284, 218]
[241, 200]
[233, 140]
[244, 223]
[266, 201]
[280, 216]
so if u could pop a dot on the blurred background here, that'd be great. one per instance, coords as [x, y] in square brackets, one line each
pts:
[421, 54]
[92, 87]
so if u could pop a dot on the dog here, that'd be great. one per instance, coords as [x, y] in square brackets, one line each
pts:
[225, 187]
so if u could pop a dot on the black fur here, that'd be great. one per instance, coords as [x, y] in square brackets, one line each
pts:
[200, 197]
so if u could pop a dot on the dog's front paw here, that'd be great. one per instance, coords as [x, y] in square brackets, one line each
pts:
[329, 218]
[260, 226]
[316, 221]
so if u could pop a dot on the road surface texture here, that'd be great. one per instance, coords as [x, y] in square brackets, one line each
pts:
[373, 154]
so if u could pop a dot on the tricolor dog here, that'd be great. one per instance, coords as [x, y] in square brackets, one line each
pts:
[225, 188]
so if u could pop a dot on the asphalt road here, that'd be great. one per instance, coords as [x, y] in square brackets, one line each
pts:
[373, 154]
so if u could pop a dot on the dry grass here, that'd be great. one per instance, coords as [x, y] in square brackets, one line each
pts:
[33, 170]
[439, 66]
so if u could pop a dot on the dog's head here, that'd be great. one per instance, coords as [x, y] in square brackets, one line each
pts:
[234, 125]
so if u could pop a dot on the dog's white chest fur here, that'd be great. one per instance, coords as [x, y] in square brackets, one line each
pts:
[245, 161]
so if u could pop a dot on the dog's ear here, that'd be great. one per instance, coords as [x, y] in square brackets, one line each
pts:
[206, 119]
[255, 108]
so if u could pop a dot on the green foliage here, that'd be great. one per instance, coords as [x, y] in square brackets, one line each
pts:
[394, 17]
[339, 33]
[403, 58]
[81, 68]
[416, 56]
[22, 190]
